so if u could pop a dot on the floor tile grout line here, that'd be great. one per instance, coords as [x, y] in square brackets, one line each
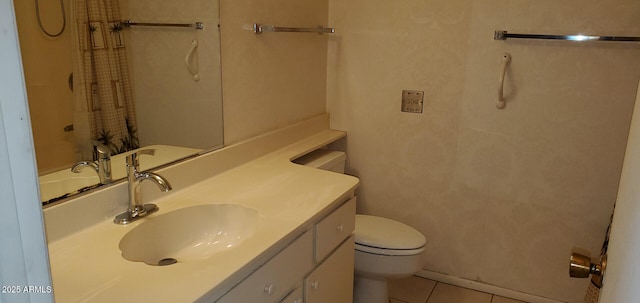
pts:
[431, 292]
[429, 296]
[438, 282]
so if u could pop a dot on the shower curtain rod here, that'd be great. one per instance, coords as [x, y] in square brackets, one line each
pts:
[196, 25]
[503, 35]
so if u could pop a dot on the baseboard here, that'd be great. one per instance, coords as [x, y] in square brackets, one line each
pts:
[479, 286]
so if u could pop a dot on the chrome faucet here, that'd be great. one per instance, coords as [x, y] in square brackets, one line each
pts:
[103, 168]
[136, 209]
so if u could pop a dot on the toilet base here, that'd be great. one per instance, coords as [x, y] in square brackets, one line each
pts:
[370, 290]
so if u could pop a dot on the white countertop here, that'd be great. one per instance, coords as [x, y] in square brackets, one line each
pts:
[87, 265]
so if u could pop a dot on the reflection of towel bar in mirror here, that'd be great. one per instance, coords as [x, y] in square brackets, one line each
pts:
[195, 25]
[260, 28]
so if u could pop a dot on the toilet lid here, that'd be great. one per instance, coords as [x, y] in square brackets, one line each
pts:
[385, 233]
[388, 252]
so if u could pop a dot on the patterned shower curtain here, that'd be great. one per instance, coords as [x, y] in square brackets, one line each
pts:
[104, 104]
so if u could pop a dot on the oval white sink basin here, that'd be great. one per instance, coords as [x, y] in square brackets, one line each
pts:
[189, 234]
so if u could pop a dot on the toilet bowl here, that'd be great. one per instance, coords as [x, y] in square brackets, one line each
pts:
[384, 249]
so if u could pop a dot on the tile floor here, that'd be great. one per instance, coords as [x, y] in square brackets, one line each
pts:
[420, 290]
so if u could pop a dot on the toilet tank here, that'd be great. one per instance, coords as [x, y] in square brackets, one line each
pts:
[324, 159]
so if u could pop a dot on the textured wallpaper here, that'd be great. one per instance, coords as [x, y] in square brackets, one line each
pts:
[273, 79]
[502, 195]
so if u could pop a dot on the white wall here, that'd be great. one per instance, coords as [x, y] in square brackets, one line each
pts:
[23, 253]
[623, 267]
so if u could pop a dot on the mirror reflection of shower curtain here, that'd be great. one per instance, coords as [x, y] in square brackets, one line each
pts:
[104, 110]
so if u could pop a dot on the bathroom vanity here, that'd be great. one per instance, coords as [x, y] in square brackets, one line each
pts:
[298, 248]
[320, 262]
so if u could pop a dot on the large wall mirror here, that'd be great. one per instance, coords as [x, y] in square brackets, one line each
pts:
[93, 82]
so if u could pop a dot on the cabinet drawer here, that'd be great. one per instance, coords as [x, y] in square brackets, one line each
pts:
[333, 229]
[332, 281]
[294, 297]
[277, 277]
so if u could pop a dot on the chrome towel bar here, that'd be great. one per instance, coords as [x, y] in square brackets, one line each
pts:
[260, 28]
[195, 25]
[504, 35]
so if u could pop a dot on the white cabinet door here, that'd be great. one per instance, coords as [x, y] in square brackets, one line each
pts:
[332, 281]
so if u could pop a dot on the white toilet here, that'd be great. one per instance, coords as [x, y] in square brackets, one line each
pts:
[385, 248]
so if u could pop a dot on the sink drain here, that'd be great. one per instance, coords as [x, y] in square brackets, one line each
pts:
[167, 261]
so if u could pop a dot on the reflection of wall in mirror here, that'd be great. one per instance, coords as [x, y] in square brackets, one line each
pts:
[270, 81]
[46, 75]
[171, 107]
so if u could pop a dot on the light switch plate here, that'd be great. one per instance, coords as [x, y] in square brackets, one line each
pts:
[412, 101]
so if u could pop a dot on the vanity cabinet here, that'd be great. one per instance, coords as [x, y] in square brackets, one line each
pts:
[278, 276]
[332, 281]
[317, 267]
